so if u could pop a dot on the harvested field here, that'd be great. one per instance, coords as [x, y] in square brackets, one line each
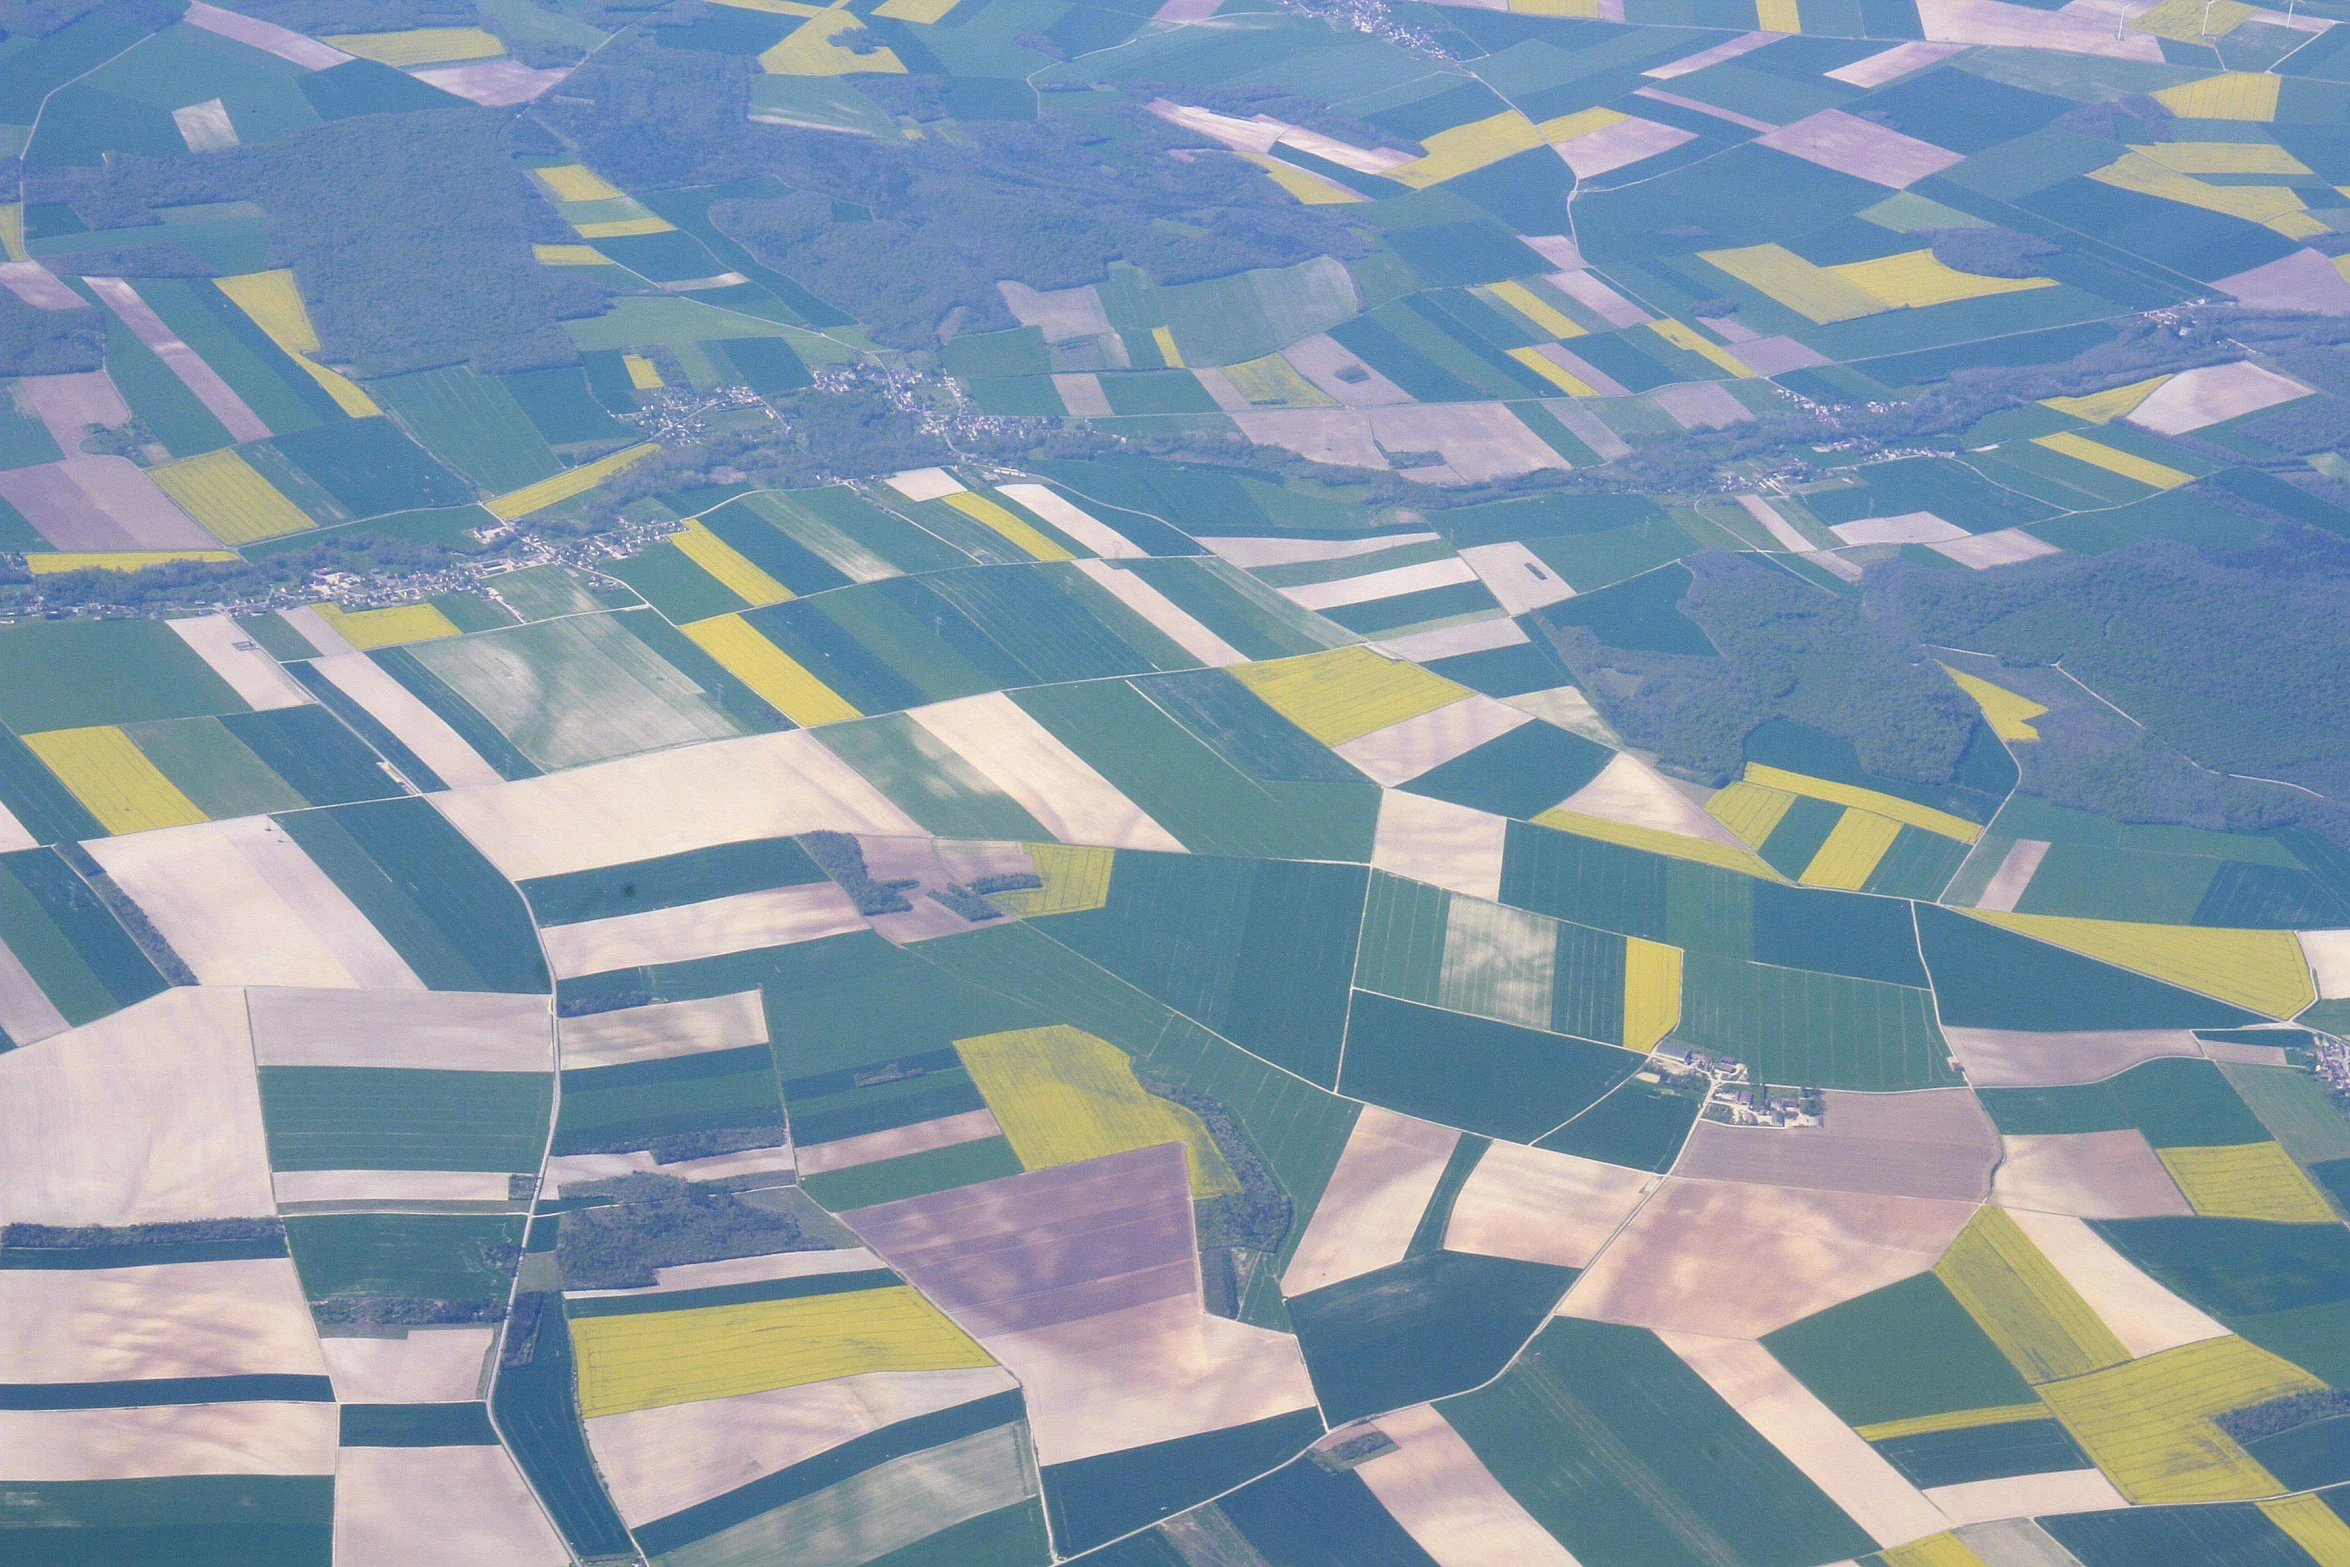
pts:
[68, 405]
[1403, 751]
[435, 1030]
[1334, 370]
[427, 1366]
[100, 503]
[150, 1116]
[1630, 792]
[1435, 1486]
[218, 397]
[449, 754]
[1072, 519]
[671, 802]
[2303, 280]
[1852, 1473]
[1893, 64]
[2000, 25]
[1371, 1206]
[745, 922]
[494, 84]
[1537, 1206]
[656, 1033]
[2146, 1318]
[2017, 1058]
[240, 661]
[1051, 782]
[243, 905]
[188, 1319]
[948, 1131]
[1163, 613]
[1440, 843]
[1084, 1282]
[1617, 145]
[1937, 1143]
[2023, 1496]
[38, 287]
[400, 1506]
[169, 1439]
[283, 42]
[1516, 577]
[1739, 1261]
[1862, 148]
[2195, 398]
[2093, 1175]
[663, 1460]
[296, 1188]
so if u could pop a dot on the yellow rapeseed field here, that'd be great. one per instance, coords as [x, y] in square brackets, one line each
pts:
[2313, 1526]
[1555, 373]
[2097, 454]
[1811, 291]
[1652, 992]
[1347, 692]
[1914, 279]
[1545, 315]
[2236, 95]
[420, 45]
[577, 182]
[1954, 1420]
[2247, 1181]
[1907, 812]
[1274, 382]
[110, 775]
[1853, 847]
[1061, 1096]
[276, 307]
[1690, 340]
[1750, 810]
[775, 675]
[2009, 715]
[402, 623]
[2115, 402]
[2260, 969]
[2277, 206]
[1655, 840]
[2039, 1321]
[2150, 1426]
[1076, 877]
[1306, 186]
[645, 1360]
[44, 563]
[1000, 520]
[235, 503]
[1465, 148]
[563, 486]
[728, 564]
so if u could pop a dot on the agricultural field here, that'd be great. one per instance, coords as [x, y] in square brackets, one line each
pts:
[987, 783]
